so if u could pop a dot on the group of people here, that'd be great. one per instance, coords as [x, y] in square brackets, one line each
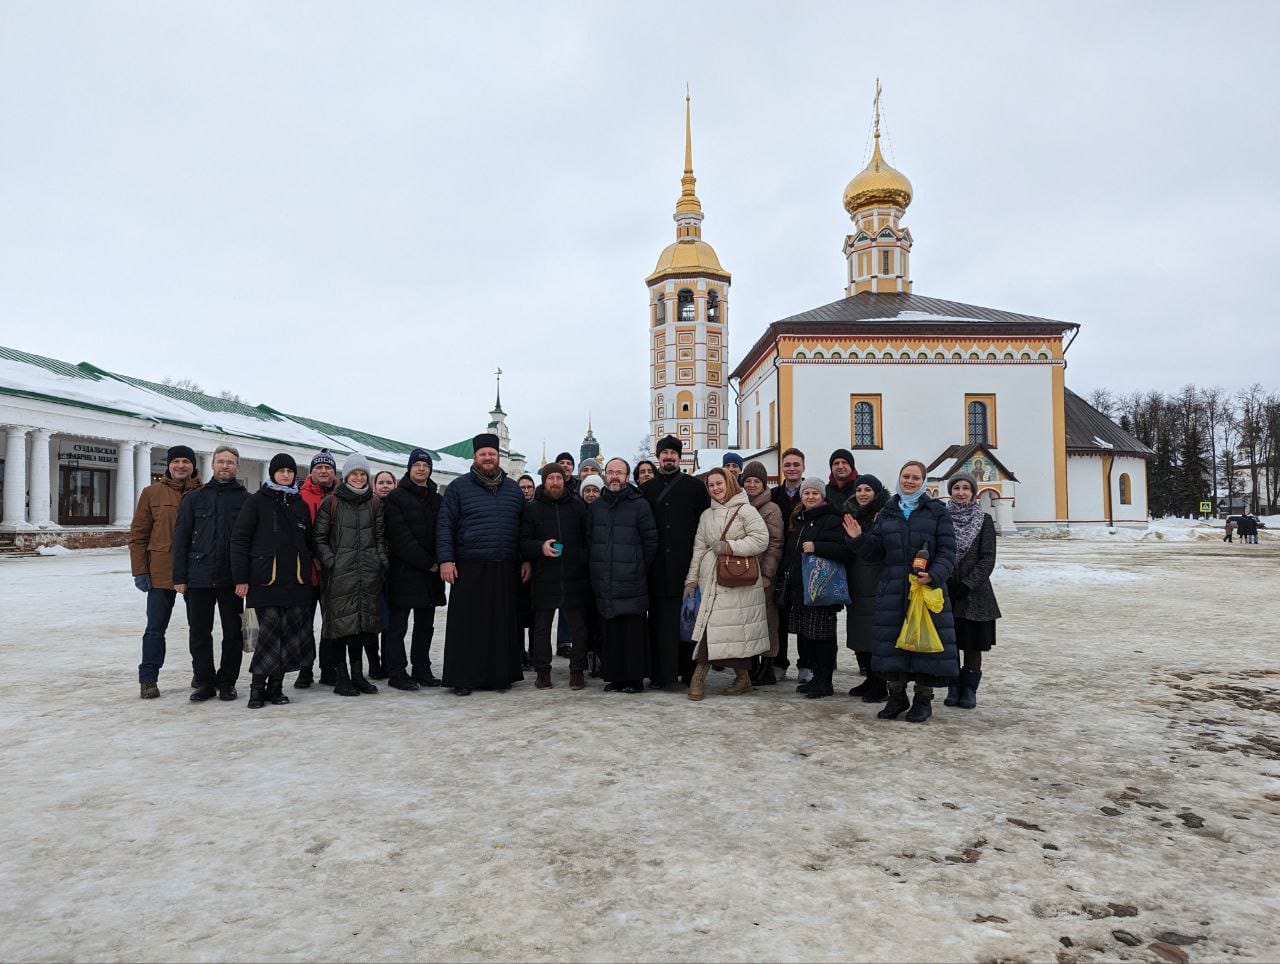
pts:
[1245, 526]
[657, 576]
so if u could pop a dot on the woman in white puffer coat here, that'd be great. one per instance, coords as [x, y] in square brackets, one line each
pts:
[732, 624]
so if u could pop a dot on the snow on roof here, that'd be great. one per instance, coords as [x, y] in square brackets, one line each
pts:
[86, 386]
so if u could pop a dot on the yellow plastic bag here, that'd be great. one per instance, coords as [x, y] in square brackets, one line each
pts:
[918, 634]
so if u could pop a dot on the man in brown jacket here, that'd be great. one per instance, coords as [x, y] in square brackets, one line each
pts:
[151, 557]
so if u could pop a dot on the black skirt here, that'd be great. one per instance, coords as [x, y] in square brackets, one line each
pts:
[624, 646]
[286, 640]
[482, 646]
[814, 622]
[971, 635]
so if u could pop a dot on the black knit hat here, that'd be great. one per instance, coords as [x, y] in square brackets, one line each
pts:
[180, 452]
[670, 442]
[564, 457]
[842, 454]
[323, 457]
[485, 440]
[282, 461]
[420, 455]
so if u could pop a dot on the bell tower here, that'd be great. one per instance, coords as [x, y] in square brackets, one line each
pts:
[689, 328]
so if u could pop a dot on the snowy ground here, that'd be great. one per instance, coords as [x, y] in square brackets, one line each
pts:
[1117, 786]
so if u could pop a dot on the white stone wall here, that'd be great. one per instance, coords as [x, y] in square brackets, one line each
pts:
[1085, 487]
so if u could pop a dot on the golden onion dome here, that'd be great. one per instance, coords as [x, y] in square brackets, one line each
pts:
[878, 183]
[687, 256]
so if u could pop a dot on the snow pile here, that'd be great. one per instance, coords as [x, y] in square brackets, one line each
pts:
[1074, 573]
[1159, 530]
[52, 550]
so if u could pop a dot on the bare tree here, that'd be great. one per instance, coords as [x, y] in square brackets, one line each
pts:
[227, 395]
[186, 384]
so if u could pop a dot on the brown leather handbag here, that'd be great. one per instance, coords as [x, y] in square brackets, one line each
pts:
[733, 571]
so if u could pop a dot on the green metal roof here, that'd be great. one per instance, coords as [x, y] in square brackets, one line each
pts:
[66, 369]
[463, 449]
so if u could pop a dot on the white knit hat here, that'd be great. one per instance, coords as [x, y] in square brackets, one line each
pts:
[592, 480]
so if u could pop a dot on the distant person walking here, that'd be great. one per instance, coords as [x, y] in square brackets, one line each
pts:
[202, 573]
[151, 557]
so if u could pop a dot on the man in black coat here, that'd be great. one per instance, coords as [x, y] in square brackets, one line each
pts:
[786, 496]
[840, 483]
[202, 574]
[413, 580]
[678, 501]
[565, 461]
[554, 537]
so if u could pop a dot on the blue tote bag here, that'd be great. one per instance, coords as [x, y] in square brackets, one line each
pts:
[689, 615]
[825, 582]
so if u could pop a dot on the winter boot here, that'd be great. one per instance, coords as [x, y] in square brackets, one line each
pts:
[821, 686]
[741, 684]
[275, 691]
[376, 670]
[872, 686]
[805, 675]
[330, 656]
[403, 682]
[258, 692]
[544, 679]
[697, 685]
[328, 676]
[356, 654]
[576, 680]
[206, 691]
[953, 693]
[149, 691]
[922, 705]
[897, 702]
[342, 682]
[305, 678]
[969, 680]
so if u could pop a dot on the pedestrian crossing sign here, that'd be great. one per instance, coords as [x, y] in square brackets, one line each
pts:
[1206, 507]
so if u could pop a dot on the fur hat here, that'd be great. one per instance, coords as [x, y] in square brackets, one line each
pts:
[485, 440]
[963, 477]
[353, 462]
[323, 457]
[755, 470]
[813, 482]
[282, 461]
[420, 455]
[670, 442]
[180, 452]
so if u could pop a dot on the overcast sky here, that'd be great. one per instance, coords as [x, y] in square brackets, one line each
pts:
[357, 211]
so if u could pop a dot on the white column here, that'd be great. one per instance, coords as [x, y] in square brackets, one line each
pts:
[204, 466]
[39, 471]
[141, 470]
[266, 470]
[124, 483]
[15, 478]
[1004, 517]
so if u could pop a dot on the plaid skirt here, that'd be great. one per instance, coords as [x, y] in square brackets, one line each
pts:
[814, 622]
[286, 640]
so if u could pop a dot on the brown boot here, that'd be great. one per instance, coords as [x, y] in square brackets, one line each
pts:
[697, 685]
[576, 682]
[544, 679]
[740, 685]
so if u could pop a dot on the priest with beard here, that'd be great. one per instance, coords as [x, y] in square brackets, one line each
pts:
[478, 547]
[678, 501]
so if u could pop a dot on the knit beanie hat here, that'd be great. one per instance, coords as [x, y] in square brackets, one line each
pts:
[323, 457]
[180, 452]
[813, 482]
[282, 461]
[563, 457]
[755, 470]
[592, 482]
[420, 455]
[591, 464]
[876, 485]
[551, 468]
[842, 454]
[731, 458]
[963, 477]
[353, 462]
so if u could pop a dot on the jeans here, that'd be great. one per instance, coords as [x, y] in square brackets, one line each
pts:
[159, 609]
[200, 603]
[540, 644]
[424, 628]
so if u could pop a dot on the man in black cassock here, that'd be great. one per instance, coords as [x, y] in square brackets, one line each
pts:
[678, 501]
[478, 546]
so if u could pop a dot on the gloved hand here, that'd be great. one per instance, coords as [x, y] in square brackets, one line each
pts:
[143, 582]
[689, 591]
[722, 548]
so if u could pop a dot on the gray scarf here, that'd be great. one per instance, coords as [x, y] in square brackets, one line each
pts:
[967, 518]
[490, 482]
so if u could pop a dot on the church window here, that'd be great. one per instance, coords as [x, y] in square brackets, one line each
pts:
[980, 419]
[713, 306]
[865, 418]
[1126, 489]
[686, 304]
[684, 405]
[884, 262]
[660, 310]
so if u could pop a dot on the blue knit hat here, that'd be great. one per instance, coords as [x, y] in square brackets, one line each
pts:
[731, 458]
[323, 457]
[420, 455]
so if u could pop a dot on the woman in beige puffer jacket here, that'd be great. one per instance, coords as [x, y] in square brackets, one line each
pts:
[732, 625]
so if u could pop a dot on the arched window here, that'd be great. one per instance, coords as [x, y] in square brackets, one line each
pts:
[713, 306]
[684, 405]
[1126, 489]
[660, 310]
[864, 424]
[686, 304]
[977, 422]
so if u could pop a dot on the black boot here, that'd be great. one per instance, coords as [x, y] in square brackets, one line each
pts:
[878, 692]
[275, 691]
[897, 702]
[258, 691]
[969, 680]
[375, 664]
[305, 678]
[953, 693]
[342, 682]
[762, 672]
[922, 705]
[356, 653]
[330, 656]
[424, 677]
[821, 685]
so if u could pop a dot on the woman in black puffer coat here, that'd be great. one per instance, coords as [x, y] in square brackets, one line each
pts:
[815, 529]
[972, 599]
[908, 521]
[869, 497]
[271, 551]
[351, 543]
